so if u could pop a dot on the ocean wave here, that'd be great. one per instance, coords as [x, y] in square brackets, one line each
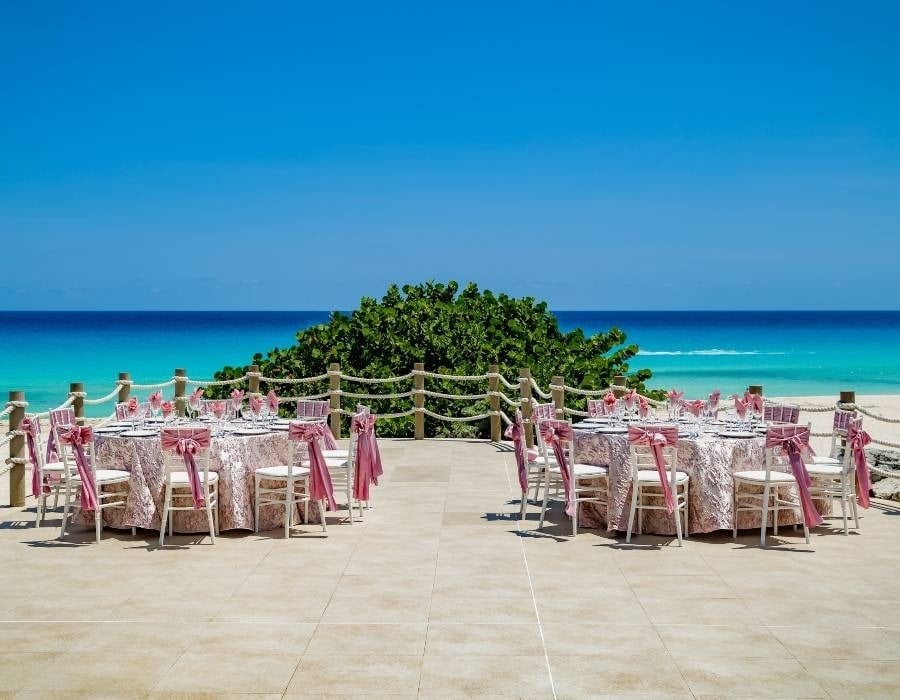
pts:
[710, 351]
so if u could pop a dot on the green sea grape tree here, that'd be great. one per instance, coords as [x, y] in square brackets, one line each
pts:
[452, 331]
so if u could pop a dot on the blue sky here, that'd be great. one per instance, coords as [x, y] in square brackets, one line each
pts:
[299, 155]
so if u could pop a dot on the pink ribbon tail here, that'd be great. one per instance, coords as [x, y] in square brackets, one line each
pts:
[863, 479]
[660, 460]
[88, 498]
[810, 514]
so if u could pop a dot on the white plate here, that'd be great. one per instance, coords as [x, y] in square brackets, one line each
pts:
[598, 419]
[737, 433]
[140, 433]
[110, 429]
[281, 426]
[251, 431]
[611, 429]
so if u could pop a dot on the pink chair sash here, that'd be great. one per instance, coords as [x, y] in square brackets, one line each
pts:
[794, 441]
[186, 442]
[363, 424]
[29, 427]
[555, 433]
[857, 439]
[320, 486]
[657, 437]
[328, 438]
[78, 436]
[515, 431]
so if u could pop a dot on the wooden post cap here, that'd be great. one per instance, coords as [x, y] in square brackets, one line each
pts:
[848, 397]
[755, 389]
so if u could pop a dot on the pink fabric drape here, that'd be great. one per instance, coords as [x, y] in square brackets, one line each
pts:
[194, 399]
[187, 442]
[694, 407]
[363, 425]
[630, 397]
[754, 402]
[643, 407]
[272, 402]
[555, 433]
[320, 486]
[515, 431]
[328, 438]
[714, 397]
[794, 441]
[657, 437]
[78, 436]
[857, 439]
[29, 427]
[740, 406]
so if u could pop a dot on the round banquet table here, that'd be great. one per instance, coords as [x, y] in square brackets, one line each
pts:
[709, 461]
[233, 457]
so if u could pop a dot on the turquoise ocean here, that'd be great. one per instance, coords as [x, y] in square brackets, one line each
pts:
[790, 353]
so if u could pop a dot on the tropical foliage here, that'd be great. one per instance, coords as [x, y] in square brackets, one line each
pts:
[451, 331]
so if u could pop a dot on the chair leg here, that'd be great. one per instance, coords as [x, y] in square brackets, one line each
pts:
[322, 515]
[677, 519]
[55, 498]
[575, 518]
[844, 500]
[765, 516]
[349, 499]
[98, 520]
[288, 509]
[634, 501]
[853, 510]
[166, 514]
[734, 511]
[256, 505]
[687, 511]
[524, 505]
[546, 495]
[209, 519]
[66, 506]
[39, 513]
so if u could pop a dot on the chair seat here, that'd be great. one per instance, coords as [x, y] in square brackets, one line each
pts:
[336, 454]
[337, 463]
[281, 472]
[832, 461]
[824, 469]
[107, 476]
[181, 478]
[758, 476]
[539, 461]
[56, 467]
[651, 476]
[584, 470]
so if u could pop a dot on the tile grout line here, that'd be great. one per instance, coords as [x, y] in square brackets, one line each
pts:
[537, 612]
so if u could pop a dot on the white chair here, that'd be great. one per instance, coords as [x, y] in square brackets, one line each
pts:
[343, 472]
[51, 472]
[647, 491]
[72, 481]
[837, 481]
[588, 483]
[292, 489]
[771, 480]
[178, 495]
[536, 458]
[839, 426]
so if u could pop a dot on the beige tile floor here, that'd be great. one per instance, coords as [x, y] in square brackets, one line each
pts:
[442, 592]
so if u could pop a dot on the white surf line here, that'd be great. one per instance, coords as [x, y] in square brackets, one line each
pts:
[537, 612]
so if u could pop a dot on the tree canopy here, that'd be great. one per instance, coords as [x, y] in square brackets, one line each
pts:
[452, 331]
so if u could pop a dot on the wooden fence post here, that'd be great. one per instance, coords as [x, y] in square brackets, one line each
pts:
[78, 406]
[17, 451]
[124, 389]
[559, 399]
[755, 389]
[494, 401]
[847, 397]
[619, 380]
[525, 399]
[253, 379]
[334, 398]
[180, 390]
[419, 400]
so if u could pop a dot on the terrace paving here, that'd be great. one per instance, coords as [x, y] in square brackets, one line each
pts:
[442, 592]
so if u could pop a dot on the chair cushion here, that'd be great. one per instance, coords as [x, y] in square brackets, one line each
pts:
[106, 476]
[827, 460]
[585, 470]
[336, 454]
[56, 467]
[652, 476]
[281, 472]
[337, 463]
[759, 476]
[824, 469]
[181, 478]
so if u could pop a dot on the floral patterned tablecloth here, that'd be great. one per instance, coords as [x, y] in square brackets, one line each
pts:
[233, 457]
[709, 461]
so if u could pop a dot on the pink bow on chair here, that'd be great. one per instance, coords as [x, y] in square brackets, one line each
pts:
[555, 433]
[368, 467]
[657, 438]
[29, 427]
[857, 439]
[795, 442]
[186, 442]
[320, 486]
[78, 436]
[516, 432]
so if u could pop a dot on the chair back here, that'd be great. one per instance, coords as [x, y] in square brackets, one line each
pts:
[313, 409]
[640, 442]
[545, 449]
[597, 407]
[543, 411]
[62, 416]
[839, 426]
[362, 408]
[776, 453]
[66, 452]
[174, 462]
[781, 413]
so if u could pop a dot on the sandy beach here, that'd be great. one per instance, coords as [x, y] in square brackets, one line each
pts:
[887, 405]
